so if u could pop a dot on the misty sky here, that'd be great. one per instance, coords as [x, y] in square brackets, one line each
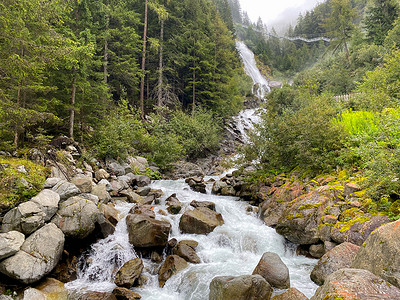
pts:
[276, 11]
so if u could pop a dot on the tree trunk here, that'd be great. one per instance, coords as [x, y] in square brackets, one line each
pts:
[72, 108]
[105, 71]
[160, 66]
[16, 135]
[143, 62]
[194, 91]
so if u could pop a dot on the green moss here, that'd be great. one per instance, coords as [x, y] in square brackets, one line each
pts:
[359, 194]
[344, 226]
[364, 244]
[309, 206]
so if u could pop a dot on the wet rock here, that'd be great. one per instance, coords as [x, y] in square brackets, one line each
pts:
[201, 220]
[48, 202]
[190, 243]
[132, 196]
[84, 184]
[317, 251]
[275, 272]
[186, 252]
[197, 184]
[350, 284]
[97, 296]
[25, 218]
[129, 273]
[118, 186]
[290, 294]
[218, 186]
[101, 174]
[174, 206]
[52, 289]
[51, 182]
[106, 227]
[100, 190]
[338, 258]
[10, 243]
[172, 265]
[66, 189]
[143, 191]
[381, 253]
[76, 217]
[142, 180]
[145, 210]
[125, 294]
[147, 232]
[38, 256]
[244, 287]
[110, 213]
[207, 204]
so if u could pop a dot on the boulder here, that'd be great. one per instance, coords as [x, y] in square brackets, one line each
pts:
[245, 287]
[172, 265]
[208, 204]
[350, 284]
[100, 190]
[129, 273]
[143, 191]
[25, 218]
[218, 186]
[115, 167]
[111, 214]
[142, 180]
[317, 251]
[48, 202]
[101, 174]
[290, 294]
[106, 227]
[97, 296]
[10, 243]
[197, 184]
[33, 294]
[338, 258]
[200, 220]
[187, 253]
[38, 256]
[84, 184]
[174, 206]
[118, 185]
[66, 189]
[147, 232]
[52, 289]
[275, 272]
[125, 294]
[51, 182]
[381, 253]
[145, 210]
[133, 197]
[91, 197]
[184, 169]
[76, 217]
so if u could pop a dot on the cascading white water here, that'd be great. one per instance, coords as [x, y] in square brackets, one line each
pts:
[250, 67]
[231, 249]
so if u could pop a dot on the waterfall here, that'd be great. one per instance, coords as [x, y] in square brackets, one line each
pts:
[250, 67]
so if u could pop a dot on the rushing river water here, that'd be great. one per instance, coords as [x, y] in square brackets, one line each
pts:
[231, 249]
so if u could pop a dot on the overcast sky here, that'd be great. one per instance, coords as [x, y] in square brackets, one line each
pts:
[276, 11]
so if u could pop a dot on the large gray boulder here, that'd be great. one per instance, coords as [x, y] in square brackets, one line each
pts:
[10, 243]
[48, 201]
[381, 253]
[83, 183]
[351, 284]
[338, 258]
[100, 190]
[25, 218]
[51, 182]
[246, 287]
[115, 167]
[66, 189]
[273, 269]
[76, 217]
[38, 256]
[145, 231]
[200, 220]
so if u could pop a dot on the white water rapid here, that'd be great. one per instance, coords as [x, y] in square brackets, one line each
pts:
[250, 66]
[231, 249]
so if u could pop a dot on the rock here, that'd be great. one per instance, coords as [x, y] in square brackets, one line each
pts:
[33, 294]
[145, 210]
[197, 184]
[48, 202]
[350, 284]
[133, 197]
[101, 174]
[275, 272]
[147, 232]
[190, 243]
[207, 204]
[58, 170]
[119, 185]
[187, 253]
[317, 251]
[201, 220]
[290, 294]
[76, 217]
[125, 294]
[97, 296]
[51, 182]
[84, 184]
[172, 265]
[38, 256]
[4, 297]
[129, 273]
[174, 206]
[218, 186]
[66, 189]
[351, 187]
[52, 289]
[25, 218]
[106, 227]
[91, 197]
[142, 180]
[381, 253]
[100, 190]
[115, 167]
[338, 258]
[10, 243]
[358, 229]
[184, 169]
[245, 287]
[143, 191]
[110, 213]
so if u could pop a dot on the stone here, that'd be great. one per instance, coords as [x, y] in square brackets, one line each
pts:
[84, 184]
[218, 186]
[290, 294]
[132, 196]
[351, 187]
[129, 273]
[275, 272]
[184, 169]
[76, 217]
[190, 243]
[145, 210]
[52, 289]
[187, 253]
[125, 294]
[381, 253]
[139, 165]
[38, 256]
[147, 232]
[200, 220]
[51, 182]
[142, 180]
[119, 185]
[108, 185]
[97, 296]
[245, 287]
[106, 227]
[58, 171]
[25, 218]
[100, 190]
[33, 294]
[115, 167]
[10, 243]
[208, 204]
[143, 191]
[66, 189]
[91, 197]
[101, 174]
[111, 214]
[350, 284]
[48, 202]
[171, 266]
[338, 258]
[174, 206]
[317, 251]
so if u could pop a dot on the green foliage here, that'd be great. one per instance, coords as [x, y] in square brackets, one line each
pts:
[357, 122]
